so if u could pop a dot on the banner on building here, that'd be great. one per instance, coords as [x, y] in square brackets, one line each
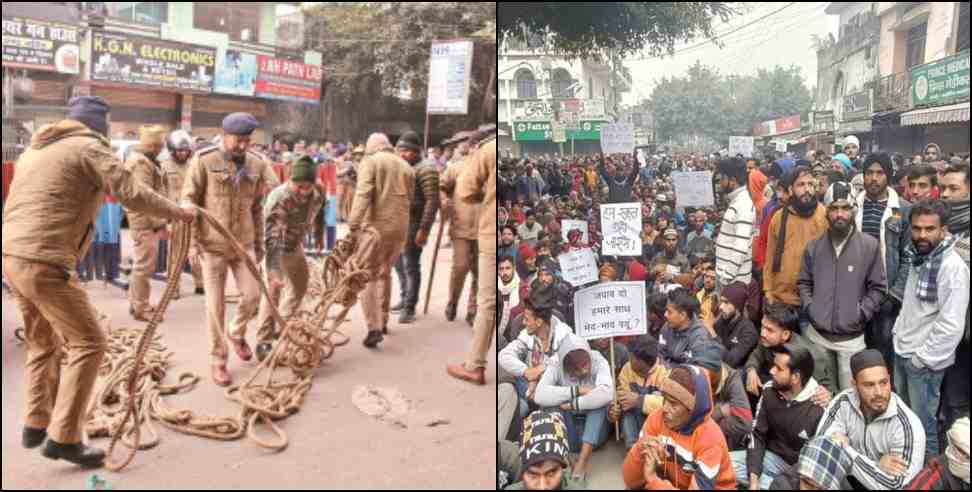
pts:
[236, 74]
[288, 80]
[450, 71]
[693, 189]
[578, 267]
[40, 45]
[941, 81]
[621, 228]
[613, 309]
[151, 63]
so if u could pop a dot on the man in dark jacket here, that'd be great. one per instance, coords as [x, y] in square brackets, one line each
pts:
[842, 284]
[619, 183]
[683, 335]
[736, 332]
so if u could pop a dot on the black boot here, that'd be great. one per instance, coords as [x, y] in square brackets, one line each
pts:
[34, 437]
[200, 291]
[408, 316]
[374, 338]
[79, 454]
[450, 312]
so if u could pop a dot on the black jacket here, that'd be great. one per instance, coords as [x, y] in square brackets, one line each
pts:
[739, 337]
[782, 426]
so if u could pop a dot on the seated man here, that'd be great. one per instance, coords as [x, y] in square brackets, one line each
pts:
[785, 419]
[780, 325]
[823, 465]
[734, 330]
[638, 388]
[681, 448]
[683, 333]
[883, 436]
[951, 470]
[528, 355]
[543, 456]
[581, 387]
[731, 410]
[603, 346]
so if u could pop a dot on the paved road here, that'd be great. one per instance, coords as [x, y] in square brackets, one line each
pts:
[332, 443]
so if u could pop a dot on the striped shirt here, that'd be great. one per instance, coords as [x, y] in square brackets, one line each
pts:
[734, 244]
[873, 214]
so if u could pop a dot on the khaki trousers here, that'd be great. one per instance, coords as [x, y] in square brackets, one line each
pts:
[376, 299]
[215, 269]
[143, 266]
[485, 327]
[59, 321]
[465, 260]
[196, 269]
[293, 272]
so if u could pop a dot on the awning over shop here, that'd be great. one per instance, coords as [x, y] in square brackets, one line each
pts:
[940, 114]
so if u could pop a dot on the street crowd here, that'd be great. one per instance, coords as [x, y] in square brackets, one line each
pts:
[808, 330]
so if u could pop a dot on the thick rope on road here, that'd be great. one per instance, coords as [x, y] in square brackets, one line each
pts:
[131, 390]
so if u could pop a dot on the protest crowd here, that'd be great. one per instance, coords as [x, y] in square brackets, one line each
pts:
[785, 322]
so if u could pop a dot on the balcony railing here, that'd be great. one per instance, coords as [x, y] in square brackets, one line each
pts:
[892, 92]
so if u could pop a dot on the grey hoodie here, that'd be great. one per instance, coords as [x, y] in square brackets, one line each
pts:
[557, 387]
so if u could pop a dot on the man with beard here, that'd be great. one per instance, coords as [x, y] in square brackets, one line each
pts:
[734, 245]
[842, 284]
[928, 332]
[882, 214]
[619, 182]
[289, 214]
[227, 181]
[955, 191]
[509, 291]
[883, 436]
[548, 277]
[801, 221]
[671, 263]
[507, 241]
[735, 331]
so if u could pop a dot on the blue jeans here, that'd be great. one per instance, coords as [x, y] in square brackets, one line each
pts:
[921, 389]
[631, 423]
[588, 427]
[773, 466]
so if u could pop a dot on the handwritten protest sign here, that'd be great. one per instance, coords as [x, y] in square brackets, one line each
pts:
[617, 138]
[693, 189]
[613, 309]
[578, 267]
[567, 225]
[741, 145]
[621, 228]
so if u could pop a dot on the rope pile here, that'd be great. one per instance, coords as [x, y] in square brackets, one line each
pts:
[131, 395]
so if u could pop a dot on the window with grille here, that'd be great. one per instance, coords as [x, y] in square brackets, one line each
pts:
[916, 45]
[526, 85]
[152, 13]
[963, 31]
[560, 85]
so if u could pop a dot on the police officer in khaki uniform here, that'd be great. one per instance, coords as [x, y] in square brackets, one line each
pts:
[174, 171]
[383, 199]
[289, 215]
[477, 184]
[48, 223]
[227, 180]
[464, 230]
[146, 229]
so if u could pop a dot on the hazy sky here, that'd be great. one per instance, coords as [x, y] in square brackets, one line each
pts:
[781, 38]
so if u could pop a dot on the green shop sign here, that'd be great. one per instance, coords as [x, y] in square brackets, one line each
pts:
[540, 131]
[941, 81]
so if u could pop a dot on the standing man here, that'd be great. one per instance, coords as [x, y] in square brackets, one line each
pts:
[144, 166]
[734, 245]
[174, 170]
[386, 187]
[842, 285]
[463, 228]
[347, 175]
[289, 214]
[425, 205]
[48, 223]
[478, 185]
[227, 180]
[928, 332]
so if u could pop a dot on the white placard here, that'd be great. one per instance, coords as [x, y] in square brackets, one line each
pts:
[567, 225]
[578, 267]
[781, 146]
[693, 189]
[621, 228]
[613, 309]
[449, 73]
[617, 138]
[741, 145]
